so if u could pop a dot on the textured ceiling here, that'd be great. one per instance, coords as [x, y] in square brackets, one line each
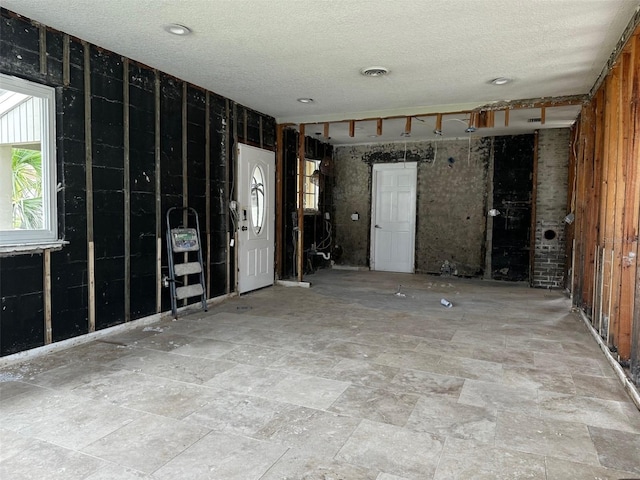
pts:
[441, 54]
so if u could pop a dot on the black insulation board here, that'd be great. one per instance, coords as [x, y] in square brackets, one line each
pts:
[21, 289]
[512, 193]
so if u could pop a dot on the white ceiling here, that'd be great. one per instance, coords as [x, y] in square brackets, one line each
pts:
[441, 54]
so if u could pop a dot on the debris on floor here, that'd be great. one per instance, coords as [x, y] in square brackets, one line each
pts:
[153, 329]
[399, 292]
[446, 303]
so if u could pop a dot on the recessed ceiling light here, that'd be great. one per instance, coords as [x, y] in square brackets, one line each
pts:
[374, 71]
[177, 29]
[305, 100]
[500, 81]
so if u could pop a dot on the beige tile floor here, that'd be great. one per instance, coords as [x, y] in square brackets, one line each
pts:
[345, 380]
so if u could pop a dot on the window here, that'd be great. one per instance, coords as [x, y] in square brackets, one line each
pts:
[27, 163]
[311, 183]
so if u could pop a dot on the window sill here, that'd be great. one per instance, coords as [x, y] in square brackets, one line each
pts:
[30, 248]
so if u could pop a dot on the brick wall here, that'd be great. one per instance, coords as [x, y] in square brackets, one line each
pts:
[551, 201]
[451, 202]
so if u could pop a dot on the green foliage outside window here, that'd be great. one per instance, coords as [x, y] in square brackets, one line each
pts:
[26, 167]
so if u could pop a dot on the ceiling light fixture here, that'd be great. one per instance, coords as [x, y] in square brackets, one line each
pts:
[500, 81]
[374, 71]
[305, 100]
[177, 29]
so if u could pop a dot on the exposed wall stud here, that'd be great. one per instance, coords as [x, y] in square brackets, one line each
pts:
[48, 332]
[407, 126]
[280, 240]
[543, 115]
[207, 188]
[352, 128]
[66, 61]
[261, 132]
[301, 160]
[185, 175]
[158, 194]
[89, 188]
[379, 127]
[42, 31]
[127, 190]
[326, 130]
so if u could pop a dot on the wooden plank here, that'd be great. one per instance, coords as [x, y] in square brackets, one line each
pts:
[326, 130]
[352, 128]
[569, 232]
[46, 281]
[158, 193]
[635, 154]
[407, 126]
[280, 209]
[439, 123]
[631, 200]
[42, 32]
[245, 129]
[231, 132]
[609, 213]
[185, 173]
[543, 115]
[534, 210]
[185, 159]
[301, 160]
[88, 143]
[127, 189]
[579, 210]
[592, 167]
[207, 187]
[379, 127]
[261, 133]
[506, 117]
[66, 60]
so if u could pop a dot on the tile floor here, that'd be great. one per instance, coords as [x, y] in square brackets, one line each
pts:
[345, 380]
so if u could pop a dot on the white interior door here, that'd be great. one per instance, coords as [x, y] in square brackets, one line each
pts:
[256, 217]
[393, 219]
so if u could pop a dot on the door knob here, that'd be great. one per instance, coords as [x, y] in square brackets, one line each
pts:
[378, 226]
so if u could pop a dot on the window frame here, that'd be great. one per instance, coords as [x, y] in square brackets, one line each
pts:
[316, 188]
[49, 233]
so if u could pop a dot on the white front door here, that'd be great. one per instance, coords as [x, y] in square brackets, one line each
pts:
[256, 217]
[393, 217]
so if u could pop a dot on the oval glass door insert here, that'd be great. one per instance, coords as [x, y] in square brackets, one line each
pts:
[257, 199]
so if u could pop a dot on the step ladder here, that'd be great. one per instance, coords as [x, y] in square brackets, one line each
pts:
[183, 242]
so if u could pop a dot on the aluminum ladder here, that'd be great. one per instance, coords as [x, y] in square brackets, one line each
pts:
[184, 241]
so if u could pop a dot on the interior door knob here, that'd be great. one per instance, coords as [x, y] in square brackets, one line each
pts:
[378, 226]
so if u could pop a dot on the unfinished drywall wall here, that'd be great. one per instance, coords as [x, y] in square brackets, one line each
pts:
[551, 207]
[451, 202]
[147, 141]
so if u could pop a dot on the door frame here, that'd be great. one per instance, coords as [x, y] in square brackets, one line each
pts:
[376, 168]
